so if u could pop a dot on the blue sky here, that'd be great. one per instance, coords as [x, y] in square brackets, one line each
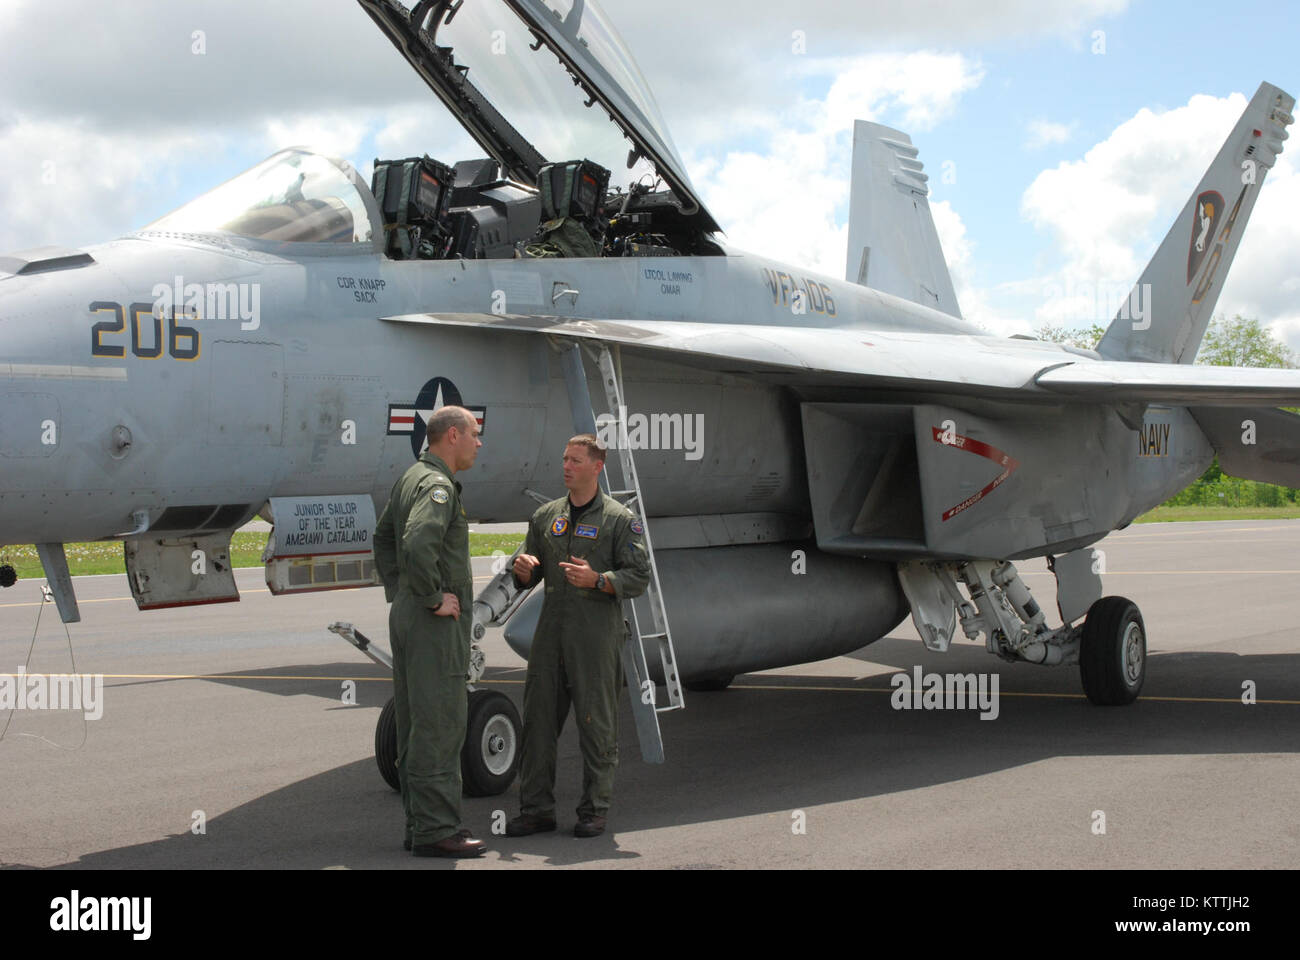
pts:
[137, 123]
[1156, 57]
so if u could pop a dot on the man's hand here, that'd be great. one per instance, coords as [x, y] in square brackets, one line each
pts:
[450, 607]
[524, 566]
[579, 573]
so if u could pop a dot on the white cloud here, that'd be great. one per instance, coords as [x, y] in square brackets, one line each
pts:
[959, 252]
[1264, 281]
[1044, 133]
[1106, 212]
[71, 185]
[334, 133]
[924, 87]
[783, 199]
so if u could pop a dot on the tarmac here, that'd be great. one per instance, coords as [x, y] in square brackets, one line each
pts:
[225, 740]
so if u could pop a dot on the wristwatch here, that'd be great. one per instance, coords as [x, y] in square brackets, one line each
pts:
[600, 581]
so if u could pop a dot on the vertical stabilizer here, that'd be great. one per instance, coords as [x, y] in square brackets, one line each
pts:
[1168, 310]
[893, 245]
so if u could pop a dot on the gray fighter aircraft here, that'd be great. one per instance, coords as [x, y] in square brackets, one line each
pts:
[814, 458]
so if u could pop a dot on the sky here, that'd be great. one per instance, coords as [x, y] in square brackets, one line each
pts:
[1061, 138]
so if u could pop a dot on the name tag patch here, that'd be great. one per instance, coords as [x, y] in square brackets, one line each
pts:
[560, 525]
[586, 530]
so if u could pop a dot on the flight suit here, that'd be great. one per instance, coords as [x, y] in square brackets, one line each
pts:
[577, 648]
[421, 552]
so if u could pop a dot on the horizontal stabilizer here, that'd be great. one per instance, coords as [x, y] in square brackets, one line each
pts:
[1256, 444]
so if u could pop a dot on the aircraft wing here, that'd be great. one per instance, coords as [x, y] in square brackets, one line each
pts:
[797, 355]
[872, 359]
[1176, 384]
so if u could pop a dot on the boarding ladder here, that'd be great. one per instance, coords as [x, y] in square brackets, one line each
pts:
[648, 609]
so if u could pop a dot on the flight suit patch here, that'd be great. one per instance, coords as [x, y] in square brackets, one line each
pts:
[560, 525]
[637, 527]
[439, 495]
[586, 530]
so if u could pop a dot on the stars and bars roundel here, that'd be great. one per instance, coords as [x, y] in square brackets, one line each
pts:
[412, 419]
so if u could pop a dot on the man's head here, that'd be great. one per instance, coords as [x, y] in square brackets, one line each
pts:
[453, 437]
[583, 459]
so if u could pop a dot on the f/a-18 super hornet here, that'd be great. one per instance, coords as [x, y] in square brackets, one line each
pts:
[813, 458]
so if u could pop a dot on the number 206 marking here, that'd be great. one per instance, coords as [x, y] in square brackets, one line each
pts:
[147, 340]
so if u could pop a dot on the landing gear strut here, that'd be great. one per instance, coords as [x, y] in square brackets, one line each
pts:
[1109, 645]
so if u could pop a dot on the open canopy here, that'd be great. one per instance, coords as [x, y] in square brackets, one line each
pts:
[537, 81]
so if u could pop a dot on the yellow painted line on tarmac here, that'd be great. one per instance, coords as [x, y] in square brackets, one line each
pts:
[1220, 540]
[1002, 693]
[1140, 531]
[37, 603]
[735, 686]
[1162, 573]
[214, 676]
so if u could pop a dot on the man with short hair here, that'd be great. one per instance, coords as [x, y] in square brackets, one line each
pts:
[590, 551]
[422, 555]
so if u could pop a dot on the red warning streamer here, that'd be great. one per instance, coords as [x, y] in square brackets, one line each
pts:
[988, 452]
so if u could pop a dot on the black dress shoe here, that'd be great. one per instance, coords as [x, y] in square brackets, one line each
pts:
[406, 844]
[589, 825]
[526, 824]
[457, 845]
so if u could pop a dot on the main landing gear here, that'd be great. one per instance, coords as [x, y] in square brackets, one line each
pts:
[1109, 645]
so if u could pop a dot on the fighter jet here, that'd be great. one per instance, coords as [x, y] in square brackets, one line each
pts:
[814, 458]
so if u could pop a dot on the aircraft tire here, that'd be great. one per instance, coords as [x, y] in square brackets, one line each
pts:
[709, 685]
[493, 738]
[386, 744]
[1113, 652]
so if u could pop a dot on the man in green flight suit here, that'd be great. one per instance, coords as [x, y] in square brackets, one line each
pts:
[422, 555]
[590, 551]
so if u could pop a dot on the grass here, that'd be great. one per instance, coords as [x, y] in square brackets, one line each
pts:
[1175, 514]
[105, 556]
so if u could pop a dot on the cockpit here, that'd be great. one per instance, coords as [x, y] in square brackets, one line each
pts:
[571, 88]
[579, 162]
[294, 196]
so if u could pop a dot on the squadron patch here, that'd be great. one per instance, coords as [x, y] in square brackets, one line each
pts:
[439, 495]
[586, 530]
[560, 525]
[638, 527]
